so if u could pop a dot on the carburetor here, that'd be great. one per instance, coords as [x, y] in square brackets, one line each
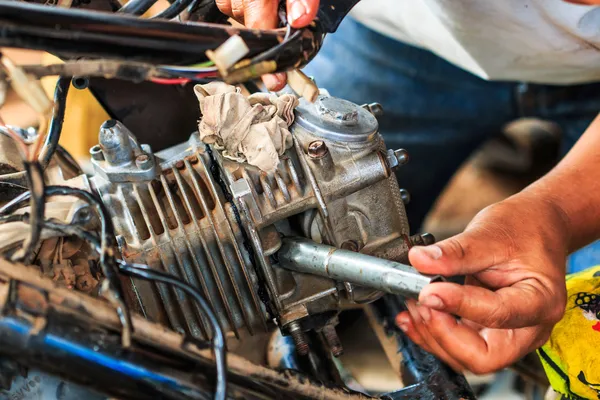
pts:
[247, 239]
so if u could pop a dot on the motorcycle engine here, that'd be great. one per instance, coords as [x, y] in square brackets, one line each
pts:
[218, 224]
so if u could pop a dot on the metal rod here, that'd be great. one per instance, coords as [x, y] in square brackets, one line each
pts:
[301, 255]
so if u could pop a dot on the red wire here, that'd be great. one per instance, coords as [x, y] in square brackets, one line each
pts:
[182, 81]
[175, 81]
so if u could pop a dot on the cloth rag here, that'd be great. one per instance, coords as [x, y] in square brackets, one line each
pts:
[571, 355]
[253, 129]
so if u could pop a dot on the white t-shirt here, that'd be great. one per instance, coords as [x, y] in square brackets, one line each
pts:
[540, 41]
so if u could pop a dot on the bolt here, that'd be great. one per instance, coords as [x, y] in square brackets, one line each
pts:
[350, 245]
[396, 158]
[96, 153]
[405, 196]
[402, 156]
[333, 341]
[317, 149]
[427, 239]
[179, 164]
[374, 108]
[299, 338]
[422, 240]
[193, 159]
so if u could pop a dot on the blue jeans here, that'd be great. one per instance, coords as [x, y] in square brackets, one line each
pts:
[435, 110]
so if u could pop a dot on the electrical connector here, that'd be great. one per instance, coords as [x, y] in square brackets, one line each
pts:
[227, 54]
[302, 85]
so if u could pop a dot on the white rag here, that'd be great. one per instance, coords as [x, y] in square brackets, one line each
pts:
[252, 129]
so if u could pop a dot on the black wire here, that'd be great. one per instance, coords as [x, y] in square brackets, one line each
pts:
[116, 69]
[176, 8]
[60, 104]
[109, 267]
[143, 272]
[137, 7]
[56, 225]
[218, 338]
[88, 197]
[273, 52]
[37, 204]
[67, 163]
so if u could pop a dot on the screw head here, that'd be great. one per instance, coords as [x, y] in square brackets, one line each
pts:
[179, 164]
[143, 161]
[317, 149]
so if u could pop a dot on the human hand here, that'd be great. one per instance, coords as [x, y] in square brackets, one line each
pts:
[263, 14]
[513, 254]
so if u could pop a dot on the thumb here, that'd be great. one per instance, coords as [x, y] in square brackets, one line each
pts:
[301, 12]
[261, 14]
[464, 254]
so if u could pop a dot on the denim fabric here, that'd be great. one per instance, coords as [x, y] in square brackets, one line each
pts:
[437, 111]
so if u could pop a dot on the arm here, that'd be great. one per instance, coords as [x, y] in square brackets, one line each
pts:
[513, 254]
[574, 187]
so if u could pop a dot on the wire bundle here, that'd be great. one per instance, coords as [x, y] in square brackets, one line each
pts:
[34, 162]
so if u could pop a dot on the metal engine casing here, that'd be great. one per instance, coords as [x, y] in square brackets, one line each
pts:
[218, 224]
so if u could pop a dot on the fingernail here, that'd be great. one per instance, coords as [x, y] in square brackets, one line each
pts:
[271, 81]
[432, 301]
[434, 252]
[403, 327]
[425, 313]
[297, 11]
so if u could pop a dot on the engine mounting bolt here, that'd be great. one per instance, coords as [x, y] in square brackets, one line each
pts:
[143, 161]
[317, 149]
[179, 164]
[350, 245]
[299, 338]
[333, 341]
[405, 196]
[193, 159]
